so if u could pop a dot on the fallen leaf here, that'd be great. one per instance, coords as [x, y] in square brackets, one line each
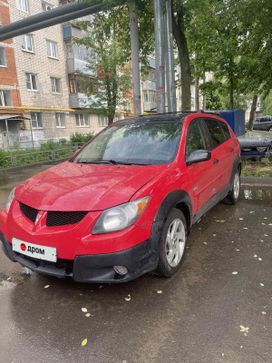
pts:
[46, 286]
[244, 329]
[128, 298]
[84, 342]
[84, 310]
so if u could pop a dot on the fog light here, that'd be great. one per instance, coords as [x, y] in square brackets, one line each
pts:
[120, 270]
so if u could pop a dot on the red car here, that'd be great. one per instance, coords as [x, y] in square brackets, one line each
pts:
[125, 203]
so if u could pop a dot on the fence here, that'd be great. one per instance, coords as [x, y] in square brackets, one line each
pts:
[35, 156]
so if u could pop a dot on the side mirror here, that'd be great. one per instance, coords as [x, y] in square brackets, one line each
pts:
[198, 156]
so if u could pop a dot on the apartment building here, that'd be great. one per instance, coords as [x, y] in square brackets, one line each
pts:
[78, 60]
[10, 120]
[43, 82]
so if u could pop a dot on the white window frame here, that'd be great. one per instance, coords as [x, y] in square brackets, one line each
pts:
[82, 120]
[4, 64]
[30, 77]
[103, 120]
[28, 43]
[5, 97]
[23, 5]
[60, 120]
[52, 49]
[55, 85]
[38, 122]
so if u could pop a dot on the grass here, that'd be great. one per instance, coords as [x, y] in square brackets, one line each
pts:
[257, 169]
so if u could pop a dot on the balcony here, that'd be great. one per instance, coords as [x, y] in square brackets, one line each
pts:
[78, 66]
[81, 100]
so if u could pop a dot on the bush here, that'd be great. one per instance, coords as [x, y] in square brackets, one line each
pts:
[80, 139]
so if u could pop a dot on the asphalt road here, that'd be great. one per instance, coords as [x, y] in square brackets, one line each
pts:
[218, 308]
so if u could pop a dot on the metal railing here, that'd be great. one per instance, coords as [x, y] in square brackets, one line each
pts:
[31, 157]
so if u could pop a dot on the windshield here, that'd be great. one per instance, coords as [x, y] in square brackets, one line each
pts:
[139, 142]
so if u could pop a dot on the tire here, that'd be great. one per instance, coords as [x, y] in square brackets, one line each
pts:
[234, 193]
[169, 262]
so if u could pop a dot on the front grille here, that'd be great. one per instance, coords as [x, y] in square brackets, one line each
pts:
[63, 218]
[29, 212]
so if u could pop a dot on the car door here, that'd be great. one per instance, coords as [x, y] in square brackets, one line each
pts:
[222, 152]
[198, 175]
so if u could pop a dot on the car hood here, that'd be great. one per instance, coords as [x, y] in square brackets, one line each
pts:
[84, 187]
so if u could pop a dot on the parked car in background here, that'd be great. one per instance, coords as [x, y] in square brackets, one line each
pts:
[263, 123]
[124, 204]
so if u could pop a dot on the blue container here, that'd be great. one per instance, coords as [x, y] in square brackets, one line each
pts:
[236, 120]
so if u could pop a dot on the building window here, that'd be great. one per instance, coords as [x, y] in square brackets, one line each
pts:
[28, 43]
[46, 6]
[103, 121]
[55, 84]
[2, 57]
[5, 98]
[82, 120]
[36, 120]
[60, 120]
[149, 96]
[31, 82]
[22, 5]
[52, 49]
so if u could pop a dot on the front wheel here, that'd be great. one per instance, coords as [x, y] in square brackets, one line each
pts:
[172, 243]
[234, 193]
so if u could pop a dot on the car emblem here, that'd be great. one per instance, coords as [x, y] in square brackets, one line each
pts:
[39, 216]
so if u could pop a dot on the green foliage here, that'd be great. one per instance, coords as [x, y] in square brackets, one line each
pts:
[108, 38]
[79, 139]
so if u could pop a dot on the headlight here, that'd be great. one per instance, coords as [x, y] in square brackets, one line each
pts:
[10, 199]
[120, 217]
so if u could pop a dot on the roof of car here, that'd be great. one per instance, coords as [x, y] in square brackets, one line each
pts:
[167, 116]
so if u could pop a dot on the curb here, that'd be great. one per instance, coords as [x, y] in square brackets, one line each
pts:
[255, 181]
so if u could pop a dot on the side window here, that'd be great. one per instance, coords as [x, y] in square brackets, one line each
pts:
[195, 140]
[217, 136]
[225, 131]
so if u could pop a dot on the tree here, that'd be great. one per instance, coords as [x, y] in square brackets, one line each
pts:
[108, 37]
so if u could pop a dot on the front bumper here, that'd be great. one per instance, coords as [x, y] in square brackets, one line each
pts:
[97, 268]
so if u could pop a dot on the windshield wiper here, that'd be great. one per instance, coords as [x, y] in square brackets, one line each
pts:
[111, 161]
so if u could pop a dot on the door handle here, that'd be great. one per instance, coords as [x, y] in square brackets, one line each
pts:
[215, 161]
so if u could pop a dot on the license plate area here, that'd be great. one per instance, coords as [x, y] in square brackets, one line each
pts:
[39, 252]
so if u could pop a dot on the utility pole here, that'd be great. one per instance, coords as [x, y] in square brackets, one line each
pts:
[170, 66]
[135, 61]
[160, 54]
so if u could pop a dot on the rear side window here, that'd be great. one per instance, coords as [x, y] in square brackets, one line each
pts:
[225, 131]
[195, 140]
[218, 132]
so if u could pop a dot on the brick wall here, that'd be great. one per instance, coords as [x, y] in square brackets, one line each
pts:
[8, 74]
